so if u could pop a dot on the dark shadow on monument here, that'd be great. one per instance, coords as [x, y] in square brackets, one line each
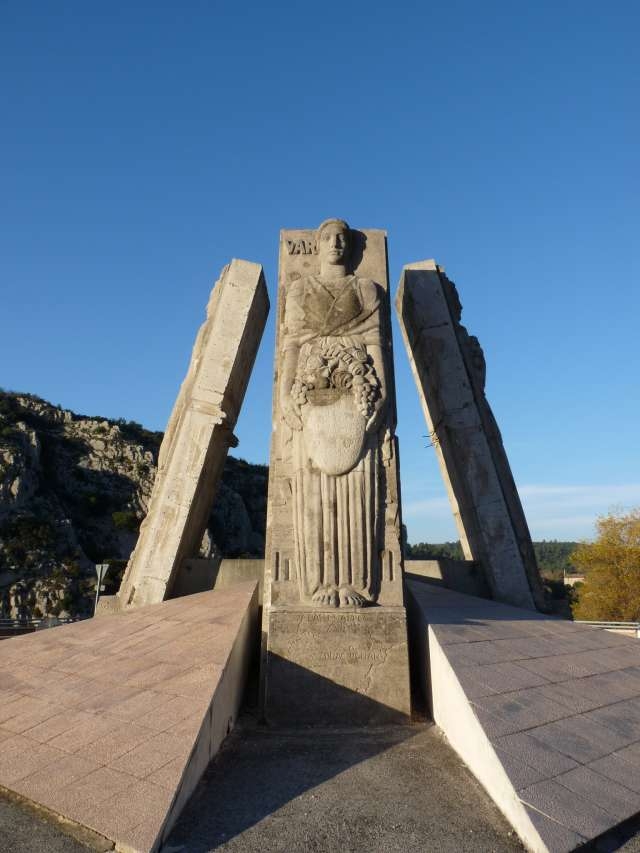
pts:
[358, 246]
[261, 768]
[300, 697]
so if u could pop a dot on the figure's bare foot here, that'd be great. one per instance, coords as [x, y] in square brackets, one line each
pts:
[325, 596]
[350, 598]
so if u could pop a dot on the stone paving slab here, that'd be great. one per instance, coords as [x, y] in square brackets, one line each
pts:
[97, 729]
[546, 712]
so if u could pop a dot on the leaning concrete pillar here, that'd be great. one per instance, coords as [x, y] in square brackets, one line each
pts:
[199, 434]
[449, 368]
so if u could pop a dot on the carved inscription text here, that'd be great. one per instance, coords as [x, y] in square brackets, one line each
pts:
[301, 247]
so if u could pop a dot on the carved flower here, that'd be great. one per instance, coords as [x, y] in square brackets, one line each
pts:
[314, 362]
[341, 379]
[359, 353]
[333, 350]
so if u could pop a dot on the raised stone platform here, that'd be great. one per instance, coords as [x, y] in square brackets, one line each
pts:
[110, 722]
[545, 712]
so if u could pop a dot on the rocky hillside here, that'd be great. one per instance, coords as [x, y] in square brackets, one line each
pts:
[73, 491]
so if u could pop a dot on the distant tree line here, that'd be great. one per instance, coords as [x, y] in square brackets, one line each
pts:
[552, 555]
[434, 551]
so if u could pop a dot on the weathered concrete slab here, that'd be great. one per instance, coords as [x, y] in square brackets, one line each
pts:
[198, 435]
[464, 576]
[449, 369]
[111, 722]
[200, 575]
[544, 711]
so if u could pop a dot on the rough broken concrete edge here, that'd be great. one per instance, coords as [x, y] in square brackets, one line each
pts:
[536, 600]
[218, 721]
[80, 833]
[243, 293]
[453, 714]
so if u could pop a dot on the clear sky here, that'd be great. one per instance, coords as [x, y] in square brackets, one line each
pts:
[143, 144]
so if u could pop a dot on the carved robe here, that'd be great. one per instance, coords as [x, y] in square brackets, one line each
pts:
[335, 470]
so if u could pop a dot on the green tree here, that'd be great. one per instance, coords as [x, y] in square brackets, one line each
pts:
[611, 565]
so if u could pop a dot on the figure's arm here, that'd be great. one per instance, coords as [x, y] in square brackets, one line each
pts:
[376, 337]
[289, 407]
[378, 356]
[290, 410]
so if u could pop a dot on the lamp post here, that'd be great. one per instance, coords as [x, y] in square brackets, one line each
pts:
[101, 571]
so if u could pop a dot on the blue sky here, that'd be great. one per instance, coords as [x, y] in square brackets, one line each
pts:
[144, 144]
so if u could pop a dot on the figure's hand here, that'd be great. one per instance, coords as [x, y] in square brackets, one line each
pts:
[291, 414]
[374, 422]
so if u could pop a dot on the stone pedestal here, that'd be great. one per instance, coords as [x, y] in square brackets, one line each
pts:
[334, 636]
[328, 667]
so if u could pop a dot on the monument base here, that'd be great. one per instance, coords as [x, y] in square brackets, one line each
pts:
[327, 667]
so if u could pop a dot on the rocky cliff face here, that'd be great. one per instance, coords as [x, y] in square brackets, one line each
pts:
[73, 491]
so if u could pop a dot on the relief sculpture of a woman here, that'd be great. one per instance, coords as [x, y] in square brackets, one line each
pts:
[333, 393]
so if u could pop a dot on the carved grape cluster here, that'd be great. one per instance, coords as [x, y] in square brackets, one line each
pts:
[299, 392]
[342, 364]
[366, 396]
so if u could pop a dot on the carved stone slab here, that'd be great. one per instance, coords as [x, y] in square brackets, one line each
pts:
[198, 435]
[333, 551]
[449, 370]
[338, 668]
[297, 260]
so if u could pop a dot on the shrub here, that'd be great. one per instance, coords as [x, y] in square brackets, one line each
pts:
[125, 520]
[611, 565]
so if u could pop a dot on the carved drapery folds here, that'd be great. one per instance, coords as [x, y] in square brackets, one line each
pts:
[334, 524]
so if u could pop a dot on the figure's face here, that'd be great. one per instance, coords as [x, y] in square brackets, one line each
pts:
[333, 244]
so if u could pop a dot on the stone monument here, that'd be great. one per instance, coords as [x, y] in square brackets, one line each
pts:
[335, 642]
[449, 369]
[198, 435]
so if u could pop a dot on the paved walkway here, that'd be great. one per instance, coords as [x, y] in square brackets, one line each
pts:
[386, 791]
[390, 790]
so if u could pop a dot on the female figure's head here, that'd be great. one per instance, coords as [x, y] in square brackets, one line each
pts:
[333, 245]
